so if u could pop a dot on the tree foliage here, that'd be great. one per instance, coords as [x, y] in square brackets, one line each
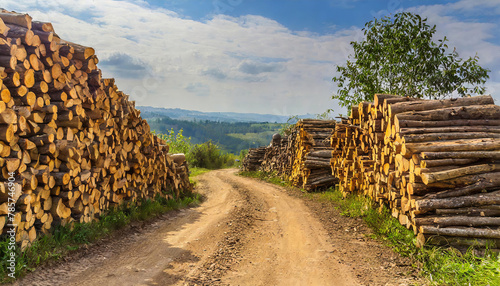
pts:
[205, 155]
[399, 56]
[177, 143]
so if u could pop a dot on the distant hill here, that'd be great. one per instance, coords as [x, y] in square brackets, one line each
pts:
[148, 112]
[230, 136]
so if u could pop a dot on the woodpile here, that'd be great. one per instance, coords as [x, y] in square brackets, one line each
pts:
[253, 160]
[276, 156]
[312, 154]
[435, 163]
[303, 157]
[75, 144]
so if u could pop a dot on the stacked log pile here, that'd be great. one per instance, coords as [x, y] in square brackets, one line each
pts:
[434, 162]
[253, 160]
[73, 142]
[288, 155]
[441, 184]
[312, 154]
[275, 158]
[351, 158]
[303, 157]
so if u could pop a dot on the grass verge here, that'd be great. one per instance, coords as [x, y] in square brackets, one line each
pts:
[441, 266]
[65, 239]
[195, 171]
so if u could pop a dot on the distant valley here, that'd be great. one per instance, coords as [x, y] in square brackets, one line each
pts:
[191, 115]
[233, 132]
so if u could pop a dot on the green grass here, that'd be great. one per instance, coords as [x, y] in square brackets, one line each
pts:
[195, 171]
[439, 265]
[62, 240]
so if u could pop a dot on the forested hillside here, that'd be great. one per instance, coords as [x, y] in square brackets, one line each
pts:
[148, 112]
[231, 137]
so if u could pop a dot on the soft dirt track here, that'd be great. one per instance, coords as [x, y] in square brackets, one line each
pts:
[247, 232]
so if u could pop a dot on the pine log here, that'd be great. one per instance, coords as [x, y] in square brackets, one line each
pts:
[378, 99]
[446, 162]
[321, 153]
[59, 210]
[426, 205]
[8, 116]
[481, 144]
[458, 221]
[416, 137]
[444, 123]
[463, 232]
[481, 182]
[484, 211]
[426, 105]
[429, 178]
[453, 129]
[23, 20]
[451, 113]
[463, 241]
[493, 155]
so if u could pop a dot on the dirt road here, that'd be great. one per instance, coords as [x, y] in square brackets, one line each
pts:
[247, 232]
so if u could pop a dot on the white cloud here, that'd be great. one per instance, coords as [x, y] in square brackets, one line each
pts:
[242, 64]
[485, 7]
[470, 37]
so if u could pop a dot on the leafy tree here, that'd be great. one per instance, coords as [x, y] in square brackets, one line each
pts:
[325, 115]
[399, 56]
[178, 143]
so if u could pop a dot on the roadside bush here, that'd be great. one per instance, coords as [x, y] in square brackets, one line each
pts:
[243, 153]
[178, 143]
[208, 155]
[205, 155]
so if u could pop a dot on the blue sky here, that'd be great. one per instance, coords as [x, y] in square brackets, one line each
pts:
[259, 56]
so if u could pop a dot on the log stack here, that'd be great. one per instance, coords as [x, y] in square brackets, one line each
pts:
[253, 160]
[75, 144]
[276, 156]
[450, 147]
[435, 163]
[312, 154]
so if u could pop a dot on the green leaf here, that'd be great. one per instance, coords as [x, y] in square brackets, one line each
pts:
[399, 56]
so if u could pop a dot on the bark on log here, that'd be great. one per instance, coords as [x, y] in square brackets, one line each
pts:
[481, 182]
[452, 113]
[429, 178]
[444, 123]
[482, 144]
[458, 221]
[493, 155]
[426, 205]
[426, 105]
[462, 232]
